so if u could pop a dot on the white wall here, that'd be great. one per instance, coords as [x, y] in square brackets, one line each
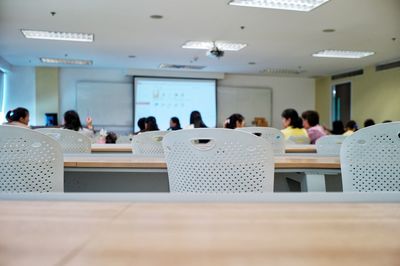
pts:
[20, 90]
[297, 93]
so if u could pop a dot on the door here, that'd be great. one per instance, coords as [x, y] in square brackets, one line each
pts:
[341, 102]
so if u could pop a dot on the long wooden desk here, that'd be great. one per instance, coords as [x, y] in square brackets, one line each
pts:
[127, 148]
[125, 172]
[131, 233]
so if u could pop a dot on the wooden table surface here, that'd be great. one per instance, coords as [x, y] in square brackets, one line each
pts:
[115, 161]
[127, 148]
[124, 233]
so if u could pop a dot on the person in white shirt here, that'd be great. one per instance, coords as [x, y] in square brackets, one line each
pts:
[73, 122]
[18, 117]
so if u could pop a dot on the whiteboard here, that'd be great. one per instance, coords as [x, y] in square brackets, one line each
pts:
[249, 102]
[108, 103]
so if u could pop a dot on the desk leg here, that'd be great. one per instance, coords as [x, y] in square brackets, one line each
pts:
[315, 182]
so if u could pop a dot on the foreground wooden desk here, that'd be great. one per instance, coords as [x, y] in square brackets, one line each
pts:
[127, 148]
[125, 172]
[126, 233]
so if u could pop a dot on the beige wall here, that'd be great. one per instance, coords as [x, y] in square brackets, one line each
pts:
[47, 87]
[375, 95]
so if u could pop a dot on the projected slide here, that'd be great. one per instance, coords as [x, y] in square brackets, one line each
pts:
[164, 98]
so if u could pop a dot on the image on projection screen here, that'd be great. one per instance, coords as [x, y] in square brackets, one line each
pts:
[164, 98]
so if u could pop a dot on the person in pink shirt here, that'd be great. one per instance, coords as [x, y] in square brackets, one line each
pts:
[311, 124]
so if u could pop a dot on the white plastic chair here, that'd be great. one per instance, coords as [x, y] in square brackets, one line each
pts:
[298, 140]
[149, 143]
[29, 161]
[330, 145]
[124, 139]
[370, 159]
[272, 135]
[71, 141]
[218, 160]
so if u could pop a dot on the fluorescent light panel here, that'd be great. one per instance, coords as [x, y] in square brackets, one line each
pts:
[66, 61]
[58, 36]
[295, 5]
[206, 45]
[342, 54]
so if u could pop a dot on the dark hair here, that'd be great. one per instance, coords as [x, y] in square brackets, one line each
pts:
[196, 120]
[176, 121]
[72, 121]
[111, 138]
[312, 117]
[231, 121]
[352, 125]
[369, 122]
[337, 127]
[142, 123]
[295, 120]
[16, 114]
[387, 121]
[151, 124]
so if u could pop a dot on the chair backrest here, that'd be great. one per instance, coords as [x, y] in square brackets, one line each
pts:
[272, 135]
[124, 139]
[29, 161]
[370, 159]
[71, 141]
[330, 144]
[298, 140]
[218, 160]
[148, 143]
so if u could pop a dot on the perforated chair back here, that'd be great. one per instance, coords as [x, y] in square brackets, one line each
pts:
[124, 139]
[71, 141]
[218, 160]
[298, 140]
[330, 145]
[148, 143]
[370, 159]
[29, 161]
[272, 135]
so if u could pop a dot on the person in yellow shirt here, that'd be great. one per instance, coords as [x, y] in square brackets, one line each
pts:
[351, 127]
[293, 127]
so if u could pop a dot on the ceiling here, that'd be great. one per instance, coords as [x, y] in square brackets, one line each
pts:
[276, 39]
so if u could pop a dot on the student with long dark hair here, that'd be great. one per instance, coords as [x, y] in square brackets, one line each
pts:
[174, 124]
[337, 127]
[196, 121]
[73, 122]
[18, 117]
[142, 125]
[292, 124]
[234, 121]
[151, 124]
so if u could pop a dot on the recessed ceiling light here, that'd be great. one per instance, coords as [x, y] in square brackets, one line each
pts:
[131, 56]
[156, 16]
[206, 45]
[252, 63]
[328, 30]
[189, 67]
[66, 61]
[58, 36]
[296, 5]
[342, 54]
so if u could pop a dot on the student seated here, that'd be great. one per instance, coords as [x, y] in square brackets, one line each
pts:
[141, 124]
[234, 121]
[73, 122]
[174, 124]
[311, 124]
[18, 117]
[196, 121]
[292, 124]
[369, 122]
[111, 138]
[151, 124]
[337, 127]
[351, 127]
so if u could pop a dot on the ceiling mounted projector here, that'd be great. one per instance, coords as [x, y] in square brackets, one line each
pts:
[215, 52]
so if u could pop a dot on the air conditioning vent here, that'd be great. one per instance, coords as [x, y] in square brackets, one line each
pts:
[348, 74]
[387, 66]
[180, 67]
